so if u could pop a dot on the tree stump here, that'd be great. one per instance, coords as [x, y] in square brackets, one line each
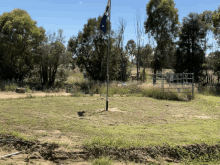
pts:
[20, 90]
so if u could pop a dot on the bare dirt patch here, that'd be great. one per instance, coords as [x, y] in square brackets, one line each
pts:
[7, 95]
[58, 137]
[37, 152]
[202, 117]
[115, 110]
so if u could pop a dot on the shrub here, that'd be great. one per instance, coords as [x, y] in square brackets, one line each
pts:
[134, 89]
[84, 86]
[77, 94]
[158, 94]
[209, 90]
[11, 87]
[61, 75]
[59, 84]
[27, 88]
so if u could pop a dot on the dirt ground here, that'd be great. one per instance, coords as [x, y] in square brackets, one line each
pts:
[7, 95]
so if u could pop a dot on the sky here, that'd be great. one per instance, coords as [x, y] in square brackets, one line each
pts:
[71, 15]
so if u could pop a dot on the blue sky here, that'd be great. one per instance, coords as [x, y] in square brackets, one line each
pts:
[71, 15]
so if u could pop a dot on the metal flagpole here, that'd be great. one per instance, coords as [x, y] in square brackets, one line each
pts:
[108, 57]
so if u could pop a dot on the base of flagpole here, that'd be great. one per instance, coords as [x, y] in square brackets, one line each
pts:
[106, 105]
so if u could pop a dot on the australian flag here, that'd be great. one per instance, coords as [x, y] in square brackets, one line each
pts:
[105, 16]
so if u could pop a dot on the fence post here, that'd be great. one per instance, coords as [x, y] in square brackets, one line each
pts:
[192, 85]
[153, 79]
[182, 79]
[162, 85]
[170, 79]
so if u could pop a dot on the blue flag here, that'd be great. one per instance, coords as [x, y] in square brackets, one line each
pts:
[105, 16]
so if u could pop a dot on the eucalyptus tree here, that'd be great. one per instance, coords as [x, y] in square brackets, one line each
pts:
[162, 23]
[19, 35]
[216, 24]
[216, 31]
[190, 54]
[90, 49]
[51, 54]
[123, 58]
[131, 47]
[139, 36]
[146, 54]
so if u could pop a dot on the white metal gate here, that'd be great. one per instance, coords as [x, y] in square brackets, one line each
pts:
[175, 79]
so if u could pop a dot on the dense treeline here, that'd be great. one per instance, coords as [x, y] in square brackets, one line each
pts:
[26, 51]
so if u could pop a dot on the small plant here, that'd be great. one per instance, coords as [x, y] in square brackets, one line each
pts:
[27, 88]
[102, 161]
[76, 93]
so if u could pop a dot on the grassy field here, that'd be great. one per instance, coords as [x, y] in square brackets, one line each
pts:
[132, 121]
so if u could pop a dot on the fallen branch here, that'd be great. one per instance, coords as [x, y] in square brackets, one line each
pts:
[10, 154]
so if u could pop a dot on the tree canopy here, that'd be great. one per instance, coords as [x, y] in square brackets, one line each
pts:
[190, 54]
[90, 48]
[162, 23]
[19, 35]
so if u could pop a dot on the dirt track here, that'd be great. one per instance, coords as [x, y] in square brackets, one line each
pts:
[7, 95]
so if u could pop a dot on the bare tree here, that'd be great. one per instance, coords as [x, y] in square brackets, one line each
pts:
[139, 34]
[119, 44]
[148, 50]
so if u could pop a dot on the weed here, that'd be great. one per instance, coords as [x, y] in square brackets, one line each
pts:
[102, 161]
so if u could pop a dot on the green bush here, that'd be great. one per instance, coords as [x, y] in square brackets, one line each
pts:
[59, 84]
[158, 94]
[84, 86]
[77, 94]
[88, 87]
[27, 88]
[134, 89]
[11, 87]
[118, 90]
[61, 75]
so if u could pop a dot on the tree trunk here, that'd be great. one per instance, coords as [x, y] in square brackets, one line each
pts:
[144, 67]
[155, 57]
[52, 80]
[45, 77]
[137, 64]
[206, 76]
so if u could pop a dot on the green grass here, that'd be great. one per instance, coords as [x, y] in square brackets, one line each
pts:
[153, 118]
[144, 121]
[102, 161]
[210, 91]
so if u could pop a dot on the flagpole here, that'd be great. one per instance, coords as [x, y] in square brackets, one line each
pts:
[108, 57]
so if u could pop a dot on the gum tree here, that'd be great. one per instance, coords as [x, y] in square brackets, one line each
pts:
[90, 48]
[19, 35]
[162, 23]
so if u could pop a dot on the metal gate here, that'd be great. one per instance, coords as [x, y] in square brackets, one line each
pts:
[178, 80]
